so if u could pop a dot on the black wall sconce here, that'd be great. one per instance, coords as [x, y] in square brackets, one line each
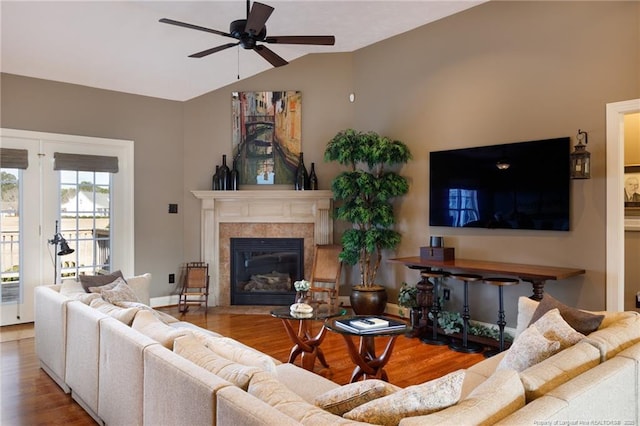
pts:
[581, 158]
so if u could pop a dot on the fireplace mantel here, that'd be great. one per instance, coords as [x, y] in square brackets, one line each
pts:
[257, 206]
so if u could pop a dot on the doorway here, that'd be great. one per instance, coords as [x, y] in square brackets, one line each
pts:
[615, 220]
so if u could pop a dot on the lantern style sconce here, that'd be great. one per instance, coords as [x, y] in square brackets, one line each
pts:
[581, 158]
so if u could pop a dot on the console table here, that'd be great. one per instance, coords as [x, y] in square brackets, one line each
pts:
[537, 275]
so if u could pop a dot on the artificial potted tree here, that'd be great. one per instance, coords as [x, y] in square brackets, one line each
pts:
[363, 195]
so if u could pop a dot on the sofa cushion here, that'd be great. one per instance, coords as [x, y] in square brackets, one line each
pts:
[190, 348]
[500, 395]
[616, 337]
[582, 321]
[554, 327]
[345, 398]
[162, 316]
[528, 349]
[558, 369]
[121, 314]
[149, 325]
[88, 281]
[71, 288]
[304, 383]
[237, 352]
[268, 389]
[120, 293]
[411, 401]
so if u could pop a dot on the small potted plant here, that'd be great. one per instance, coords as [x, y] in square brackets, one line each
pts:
[408, 298]
[363, 195]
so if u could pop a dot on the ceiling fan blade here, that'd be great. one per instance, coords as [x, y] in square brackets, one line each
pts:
[270, 56]
[194, 27]
[213, 50]
[319, 40]
[257, 18]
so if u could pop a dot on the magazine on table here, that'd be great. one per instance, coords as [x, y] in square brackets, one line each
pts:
[363, 325]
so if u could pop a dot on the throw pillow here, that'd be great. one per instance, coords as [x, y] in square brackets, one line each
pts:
[411, 401]
[583, 322]
[123, 315]
[499, 396]
[146, 323]
[553, 327]
[71, 287]
[120, 293]
[345, 398]
[140, 285]
[526, 308]
[98, 280]
[528, 349]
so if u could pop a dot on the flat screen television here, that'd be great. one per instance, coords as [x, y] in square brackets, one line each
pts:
[522, 185]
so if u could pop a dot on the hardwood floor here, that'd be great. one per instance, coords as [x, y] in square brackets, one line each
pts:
[29, 397]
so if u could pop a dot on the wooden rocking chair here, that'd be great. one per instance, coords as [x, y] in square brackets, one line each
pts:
[327, 269]
[195, 287]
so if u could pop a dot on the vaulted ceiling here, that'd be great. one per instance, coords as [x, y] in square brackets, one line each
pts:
[121, 46]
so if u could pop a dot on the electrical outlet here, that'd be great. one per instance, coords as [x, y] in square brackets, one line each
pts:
[173, 208]
[172, 278]
[446, 294]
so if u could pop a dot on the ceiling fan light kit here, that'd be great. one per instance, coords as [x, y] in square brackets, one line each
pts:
[251, 31]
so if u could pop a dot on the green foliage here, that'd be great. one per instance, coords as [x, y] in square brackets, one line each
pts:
[407, 296]
[363, 195]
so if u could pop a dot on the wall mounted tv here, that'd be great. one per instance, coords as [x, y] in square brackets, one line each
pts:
[523, 185]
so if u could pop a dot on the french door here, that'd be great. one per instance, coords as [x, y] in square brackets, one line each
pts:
[50, 202]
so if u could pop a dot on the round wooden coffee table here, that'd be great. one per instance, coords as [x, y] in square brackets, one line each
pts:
[368, 364]
[304, 342]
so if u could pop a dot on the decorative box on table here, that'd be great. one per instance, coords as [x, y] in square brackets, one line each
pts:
[437, 253]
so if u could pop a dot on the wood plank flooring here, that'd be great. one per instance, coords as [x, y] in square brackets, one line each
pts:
[29, 396]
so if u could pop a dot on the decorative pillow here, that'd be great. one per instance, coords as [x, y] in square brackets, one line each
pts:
[188, 347]
[528, 349]
[583, 322]
[164, 317]
[526, 308]
[71, 288]
[553, 327]
[120, 293]
[345, 398]
[140, 285]
[500, 395]
[121, 314]
[411, 401]
[100, 289]
[146, 323]
[85, 298]
[98, 280]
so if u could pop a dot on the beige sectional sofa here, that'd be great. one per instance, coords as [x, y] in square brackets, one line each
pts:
[120, 367]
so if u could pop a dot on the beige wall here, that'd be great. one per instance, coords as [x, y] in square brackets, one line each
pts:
[500, 72]
[506, 72]
[155, 126]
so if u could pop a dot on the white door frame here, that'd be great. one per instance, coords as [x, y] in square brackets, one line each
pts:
[615, 222]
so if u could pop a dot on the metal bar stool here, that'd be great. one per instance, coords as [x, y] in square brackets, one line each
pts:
[500, 282]
[436, 277]
[465, 346]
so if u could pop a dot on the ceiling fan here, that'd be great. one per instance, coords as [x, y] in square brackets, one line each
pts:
[252, 30]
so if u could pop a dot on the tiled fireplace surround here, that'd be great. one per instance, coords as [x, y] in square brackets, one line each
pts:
[258, 213]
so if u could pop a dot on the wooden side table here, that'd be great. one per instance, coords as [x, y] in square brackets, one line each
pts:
[368, 364]
[304, 342]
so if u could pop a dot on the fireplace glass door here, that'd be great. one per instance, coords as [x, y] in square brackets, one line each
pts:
[263, 270]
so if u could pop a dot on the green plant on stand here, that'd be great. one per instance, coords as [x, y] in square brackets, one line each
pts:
[407, 298]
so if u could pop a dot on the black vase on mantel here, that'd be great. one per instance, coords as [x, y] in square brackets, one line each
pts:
[313, 179]
[302, 177]
[215, 182]
[224, 175]
[234, 177]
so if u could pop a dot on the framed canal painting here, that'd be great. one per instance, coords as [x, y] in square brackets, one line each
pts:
[266, 136]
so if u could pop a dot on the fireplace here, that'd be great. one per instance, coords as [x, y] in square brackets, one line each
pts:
[258, 214]
[263, 270]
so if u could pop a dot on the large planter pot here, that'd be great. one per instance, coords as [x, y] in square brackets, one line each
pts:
[368, 300]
